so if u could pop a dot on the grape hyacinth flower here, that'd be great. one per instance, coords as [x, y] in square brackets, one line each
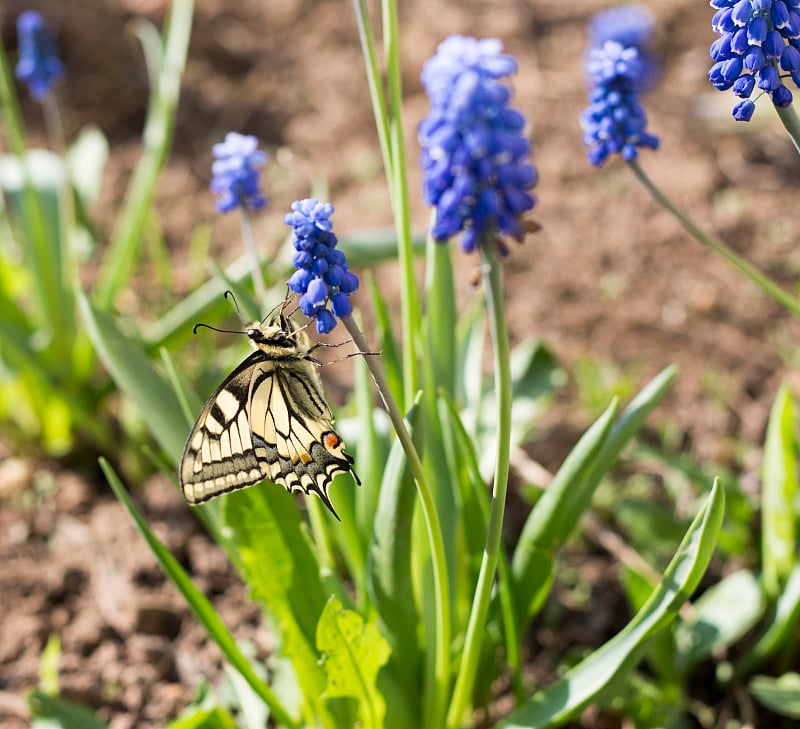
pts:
[758, 39]
[614, 121]
[475, 156]
[235, 175]
[322, 276]
[628, 25]
[39, 65]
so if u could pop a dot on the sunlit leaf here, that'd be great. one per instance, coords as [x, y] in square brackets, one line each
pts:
[353, 653]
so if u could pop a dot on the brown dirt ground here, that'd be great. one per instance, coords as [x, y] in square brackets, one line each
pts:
[610, 277]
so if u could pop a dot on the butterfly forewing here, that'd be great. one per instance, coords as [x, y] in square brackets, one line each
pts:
[268, 419]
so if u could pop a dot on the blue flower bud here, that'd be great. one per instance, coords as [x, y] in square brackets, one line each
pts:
[781, 97]
[299, 280]
[790, 59]
[235, 177]
[743, 111]
[39, 65]
[322, 276]
[757, 31]
[767, 78]
[340, 303]
[743, 86]
[773, 44]
[325, 321]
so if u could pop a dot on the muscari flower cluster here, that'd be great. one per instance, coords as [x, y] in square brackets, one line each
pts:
[475, 156]
[39, 65]
[628, 25]
[322, 276]
[757, 37]
[235, 174]
[615, 122]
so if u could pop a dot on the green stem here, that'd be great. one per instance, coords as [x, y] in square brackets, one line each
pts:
[255, 263]
[435, 703]
[388, 121]
[53, 123]
[766, 284]
[791, 121]
[493, 288]
[398, 182]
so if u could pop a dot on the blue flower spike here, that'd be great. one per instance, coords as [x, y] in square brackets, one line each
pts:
[759, 45]
[475, 157]
[39, 65]
[235, 174]
[615, 122]
[322, 276]
[628, 25]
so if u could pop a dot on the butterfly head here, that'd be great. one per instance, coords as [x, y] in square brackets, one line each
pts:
[278, 335]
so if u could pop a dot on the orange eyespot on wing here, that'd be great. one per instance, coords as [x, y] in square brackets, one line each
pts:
[330, 440]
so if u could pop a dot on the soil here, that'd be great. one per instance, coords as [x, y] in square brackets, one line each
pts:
[610, 281]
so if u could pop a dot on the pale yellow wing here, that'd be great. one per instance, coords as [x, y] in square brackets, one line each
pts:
[269, 419]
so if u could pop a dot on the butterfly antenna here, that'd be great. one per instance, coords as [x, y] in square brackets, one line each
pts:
[229, 294]
[214, 329]
[302, 328]
[272, 311]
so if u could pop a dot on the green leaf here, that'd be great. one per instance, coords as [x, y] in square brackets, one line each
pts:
[721, 615]
[440, 320]
[198, 718]
[551, 522]
[390, 352]
[34, 187]
[135, 375]
[130, 224]
[778, 494]
[354, 652]
[782, 629]
[199, 604]
[283, 574]
[389, 580]
[51, 712]
[782, 694]
[555, 515]
[370, 247]
[48, 671]
[585, 682]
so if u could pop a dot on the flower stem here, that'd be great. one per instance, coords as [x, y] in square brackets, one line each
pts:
[493, 288]
[255, 264]
[389, 123]
[766, 284]
[53, 123]
[791, 121]
[434, 703]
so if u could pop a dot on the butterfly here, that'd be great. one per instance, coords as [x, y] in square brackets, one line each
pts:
[267, 420]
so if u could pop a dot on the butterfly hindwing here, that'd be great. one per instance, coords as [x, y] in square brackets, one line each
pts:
[268, 419]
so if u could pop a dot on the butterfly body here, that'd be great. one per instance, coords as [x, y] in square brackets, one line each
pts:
[267, 419]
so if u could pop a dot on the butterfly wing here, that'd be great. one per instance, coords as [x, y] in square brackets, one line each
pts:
[219, 455]
[268, 419]
[292, 428]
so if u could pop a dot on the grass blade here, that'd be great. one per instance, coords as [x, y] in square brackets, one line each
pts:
[135, 375]
[582, 684]
[778, 495]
